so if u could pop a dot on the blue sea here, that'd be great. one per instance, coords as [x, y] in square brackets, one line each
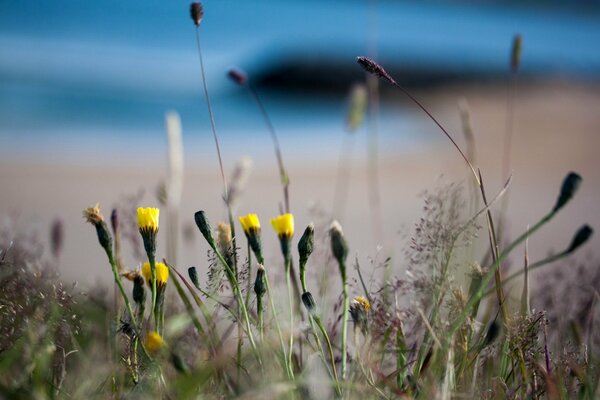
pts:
[83, 80]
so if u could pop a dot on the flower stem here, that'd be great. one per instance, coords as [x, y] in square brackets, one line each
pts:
[291, 304]
[278, 327]
[344, 323]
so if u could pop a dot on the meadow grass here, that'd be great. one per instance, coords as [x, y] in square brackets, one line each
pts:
[443, 328]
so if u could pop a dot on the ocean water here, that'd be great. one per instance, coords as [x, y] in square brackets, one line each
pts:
[83, 79]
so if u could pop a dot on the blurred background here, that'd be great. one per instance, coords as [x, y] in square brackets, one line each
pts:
[84, 88]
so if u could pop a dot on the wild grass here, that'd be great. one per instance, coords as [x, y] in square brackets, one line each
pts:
[442, 326]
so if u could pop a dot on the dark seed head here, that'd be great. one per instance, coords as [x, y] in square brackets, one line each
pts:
[238, 76]
[193, 274]
[373, 68]
[568, 190]
[515, 54]
[582, 236]
[197, 12]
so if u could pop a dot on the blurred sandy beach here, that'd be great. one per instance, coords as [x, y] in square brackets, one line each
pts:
[556, 131]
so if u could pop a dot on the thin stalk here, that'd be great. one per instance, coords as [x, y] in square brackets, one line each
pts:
[152, 261]
[238, 294]
[319, 323]
[285, 179]
[278, 327]
[344, 323]
[117, 277]
[188, 305]
[210, 113]
[490, 274]
[288, 284]
[261, 322]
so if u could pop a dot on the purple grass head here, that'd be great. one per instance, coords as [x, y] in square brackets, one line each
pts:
[238, 76]
[373, 68]
[197, 12]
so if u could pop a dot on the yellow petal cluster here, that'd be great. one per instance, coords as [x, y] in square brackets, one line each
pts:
[250, 223]
[162, 274]
[363, 302]
[284, 225]
[154, 342]
[148, 218]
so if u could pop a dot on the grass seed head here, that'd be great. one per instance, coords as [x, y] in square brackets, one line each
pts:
[373, 68]
[238, 76]
[196, 12]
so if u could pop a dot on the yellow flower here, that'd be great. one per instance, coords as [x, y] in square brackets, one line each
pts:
[148, 219]
[154, 342]
[284, 225]
[250, 223]
[162, 274]
[363, 302]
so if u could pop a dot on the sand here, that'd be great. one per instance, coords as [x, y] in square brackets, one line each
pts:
[556, 131]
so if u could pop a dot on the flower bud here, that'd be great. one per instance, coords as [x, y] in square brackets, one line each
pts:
[193, 274]
[204, 227]
[309, 303]
[259, 284]
[339, 247]
[139, 293]
[93, 216]
[306, 244]
[582, 236]
[567, 191]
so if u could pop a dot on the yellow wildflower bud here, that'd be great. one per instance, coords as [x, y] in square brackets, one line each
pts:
[148, 225]
[154, 342]
[162, 274]
[363, 302]
[251, 226]
[148, 219]
[284, 225]
[250, 223]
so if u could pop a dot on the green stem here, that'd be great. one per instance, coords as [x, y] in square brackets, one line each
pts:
[291, 304]
[288, 368]
[238, 294]
[152, 261]
[344, 323]
[490, 274]
[319, 323]
[126, 300]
